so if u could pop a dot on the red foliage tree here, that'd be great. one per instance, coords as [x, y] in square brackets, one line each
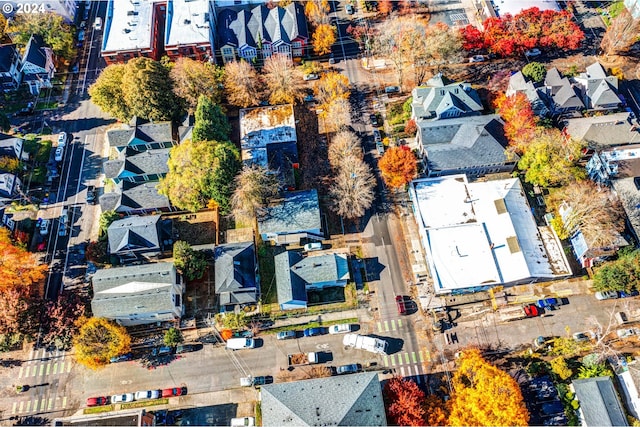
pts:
[472, 38]
[520, 121]
[411, 128]
[61, 317]
[404, 402]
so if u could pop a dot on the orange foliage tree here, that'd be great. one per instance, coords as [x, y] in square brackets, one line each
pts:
[519, 119]
[385, 7]
[226, 334]
[404, 402]
[17, 266]
[398, 166]
[483, 395]
[435, 411]
[98, 340]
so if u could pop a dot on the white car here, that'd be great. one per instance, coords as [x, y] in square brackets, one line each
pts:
[312, 76]
[602, 295]
[97, 25]
[148, 394]
[477, 58]
[625, 333]
[315, 246]
[62, 139]
[243, 422]
[340, 329]
[44, 226]
[121, 398]
[59, 154]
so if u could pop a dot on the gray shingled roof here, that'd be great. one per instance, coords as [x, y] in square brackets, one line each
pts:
[136, 163]
[235, 273]
[130, 197]
[322, 268]
[289, 286]
[563, 94]
[348, 400]
[134, 233]
[431, 100]
[599, 402]
[146, 133]
[602, 131]
[464, 142]
[519, 83]
[121, 291]
[297, 211]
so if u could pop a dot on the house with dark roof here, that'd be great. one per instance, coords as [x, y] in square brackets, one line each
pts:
[473, 145]
[138, 166]
[12, 147]
[134, 198]
[142, 135]
[10, 185]
[293, 217]
[236, 275]
[442, 99]
[599, 402]
[599, 91]
[609, 130]
[257, 31]
[564, 96]
[296, 275]
[139, 237]
[10, 76]
[343, 400]
[37, 65]
[518, 83]
[138, 294]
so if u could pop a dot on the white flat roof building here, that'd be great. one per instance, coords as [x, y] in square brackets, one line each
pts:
[513, 7]
[128, 26]
[482, 234]
[188, 23]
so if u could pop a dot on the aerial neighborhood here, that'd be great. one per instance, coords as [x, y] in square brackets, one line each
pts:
[320, 212]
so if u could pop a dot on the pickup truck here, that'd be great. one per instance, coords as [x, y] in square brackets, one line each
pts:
[296, 359]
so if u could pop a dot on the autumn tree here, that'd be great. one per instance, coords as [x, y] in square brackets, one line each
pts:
[483, 395]
[622, 274]
[344, 145]
[560, 368]
[255, 185]
[404, 402]
[435, 411]
[9, 164]
[3, 26]
[53, 29]
[61, 317]
[172, 337]
[593, 210]
[211, 123]
[519, 119]
[200, 172]
[621, 35]
[336, 115]
[107, 92]
[317, 11]
[242, 84]
[398, 166]
[535, 71]
[284, 81]
[192, 264]
[191, 79]
[323, 38]
[330, 87]
[18, 268]
[550, 159]
[352, 190]
[98, 340]
[390, 42]
[385, 7]
[13, 303]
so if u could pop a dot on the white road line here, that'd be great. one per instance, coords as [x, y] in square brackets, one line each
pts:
[68, 367]
[402, 371]
[21, 405]
[15, 405]
[20, 372]
[64, 402]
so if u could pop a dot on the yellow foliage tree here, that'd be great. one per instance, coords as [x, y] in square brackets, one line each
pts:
[331, 87]
[560, 368]
[323, 38]
[98, 340]
[483, 395]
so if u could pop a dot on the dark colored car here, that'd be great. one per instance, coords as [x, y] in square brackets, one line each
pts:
[97, 401]
[374, 119]
[312, 332]
[262, 380]
[161, 351]
[27, 111]
[548, 303]
[531, 310]
[353, 368]
[624, 294]
[402, 307]
[188, 348]
[286, 335]
[177, 391]
[377, 137]
[91, 194]
[121, 358]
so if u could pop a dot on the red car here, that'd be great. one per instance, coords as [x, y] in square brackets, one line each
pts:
[402, 308]
[97, 401]
[178, 391]
[531, 310]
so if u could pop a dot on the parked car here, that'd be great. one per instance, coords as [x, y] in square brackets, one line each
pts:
[176, 391]
[44, 226]
[240, 343]
[332, 60]
[121, 398]
[349, 9]
[603, 295]
[59, 153]
[625, 333]
[380, 147]
[477, 58]
[286, 335]
[91, 194]
[243, 422]
[374, 119]
[548, 303]
[256, 381]
[161, 351]
[392, 89]
[315, 246]
[311, 76]
[340, 329]
[187, 348]
[97, 25]
[583, 336]
[62, 139]
[377, 136]
[531, 310]
[97, 401]
[62, 229]
[400, 304]
[312, 332]
[27, 111]
[532, 53]
[353, 368]
[121, 358]
[148, 394]
[629, 294]
[621, 318]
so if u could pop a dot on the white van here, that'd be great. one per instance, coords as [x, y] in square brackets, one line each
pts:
[240, 343]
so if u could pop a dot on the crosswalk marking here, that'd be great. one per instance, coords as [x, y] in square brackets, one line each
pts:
[420, 356]
[379, 326]
[15, 405]
[20, 408]
[64, 402]
[41, 370]
[20, 372]
[413, 357]
[399, 323]
[393, 360]
[385, 362]
[386, 326]
[406, 358]
[28, 406]
[43, 402]
[393, 325]
[50, 405]
[68, 366]
[48, 368]
[402, 371]
[55, 368]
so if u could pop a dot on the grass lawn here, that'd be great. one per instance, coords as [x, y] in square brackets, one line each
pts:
[267, 274]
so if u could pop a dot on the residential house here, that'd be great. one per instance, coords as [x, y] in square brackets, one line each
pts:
[343, 400]
[131, 198]
[473, 145]
[142, 135]
[188, 29]
[10, 186]
[599, 91]
[139, 237]
[296, 275]
[10, 76]
[293, 217]
[12, 147]
[518, 83]
[255, 32]
[268, 139]
[633, 6]
[442, 99]
[138, 166]
[133, 29]
[608, 130]
[628, 376]
[139, 294]
[599, 402]
[564, 96]
[236, 278]
[482, 234]
[37, 66]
